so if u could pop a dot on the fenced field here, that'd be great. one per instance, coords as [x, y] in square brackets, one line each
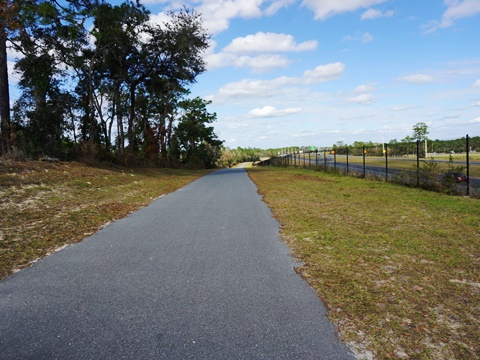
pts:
[448, 171]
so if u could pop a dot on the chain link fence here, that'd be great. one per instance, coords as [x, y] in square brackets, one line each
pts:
[452, 168]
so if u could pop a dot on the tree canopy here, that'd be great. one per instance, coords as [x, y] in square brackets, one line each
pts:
[116, 89]
[420, 131]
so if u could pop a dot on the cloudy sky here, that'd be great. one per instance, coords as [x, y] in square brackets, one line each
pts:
[314, 72]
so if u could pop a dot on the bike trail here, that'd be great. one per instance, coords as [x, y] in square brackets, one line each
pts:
[200, 273]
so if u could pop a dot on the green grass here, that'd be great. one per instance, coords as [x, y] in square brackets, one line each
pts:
[398, 268]
[45, 206]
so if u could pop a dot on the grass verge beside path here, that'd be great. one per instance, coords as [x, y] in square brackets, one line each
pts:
[44, 206]
[398, 268]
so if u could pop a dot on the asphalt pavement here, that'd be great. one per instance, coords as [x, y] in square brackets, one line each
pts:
[200, 273]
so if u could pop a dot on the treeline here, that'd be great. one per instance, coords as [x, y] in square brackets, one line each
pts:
[456, 146]
[101, 82]
[408, 146]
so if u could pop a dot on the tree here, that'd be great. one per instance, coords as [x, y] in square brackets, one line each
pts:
[406, 143]
[135, 75]
[50, 37]
[196, 143]
[420, 132]
[172, 61]
[151, 64]
[115, 67]
[8, 24]
[41, 101]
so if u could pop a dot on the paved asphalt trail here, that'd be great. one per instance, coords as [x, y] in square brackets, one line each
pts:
[198, 274]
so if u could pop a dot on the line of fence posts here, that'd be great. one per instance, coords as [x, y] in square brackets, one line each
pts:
[388, 150]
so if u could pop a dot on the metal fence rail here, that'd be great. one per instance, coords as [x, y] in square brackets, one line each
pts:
[447, 170]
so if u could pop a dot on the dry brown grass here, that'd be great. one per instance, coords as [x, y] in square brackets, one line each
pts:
[398, 268]
[44, 206]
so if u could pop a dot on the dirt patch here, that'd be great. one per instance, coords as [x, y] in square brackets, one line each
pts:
[44, 206]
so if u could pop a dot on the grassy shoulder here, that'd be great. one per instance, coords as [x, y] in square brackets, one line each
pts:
[44, 206]
[398, 268]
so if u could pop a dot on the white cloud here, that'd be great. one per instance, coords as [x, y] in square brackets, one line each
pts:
[476, 83]
[266, 88]
[372, 14]
[262, 63]
[476, 120]
[456, 10]
[324, 73]
[13, 76]
[303, 134]
[403, 107]
[417, 79]
[277, 5]
[268, 42]
[12, 53]
[327, 8]
[366, 37]
[261, 42]
[160, 18]
[476, 104]
[216, 61]
[363, 99]
[364, 88]
[218, 13]
[255, 88]
[258, 64]
[270, 112]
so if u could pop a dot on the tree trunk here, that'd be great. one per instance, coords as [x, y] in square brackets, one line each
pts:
[103, 122]
[110, 125]
[131, 118]
[117, 111]
[162, 135]
[5, 128]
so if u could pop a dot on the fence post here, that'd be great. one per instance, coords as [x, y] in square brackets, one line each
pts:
[364, 152]
[386, 162]
[418, 163]
[346, 151]
[468, 164]
[316, 158]
[335, 159]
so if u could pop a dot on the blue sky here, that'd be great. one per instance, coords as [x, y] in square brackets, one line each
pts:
[314, 72]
